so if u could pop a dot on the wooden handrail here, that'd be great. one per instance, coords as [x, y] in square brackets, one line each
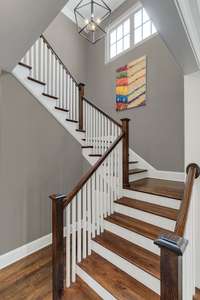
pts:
[193, 171]
[87, 176]
[50, 47]
[173, 245]
[101, 111]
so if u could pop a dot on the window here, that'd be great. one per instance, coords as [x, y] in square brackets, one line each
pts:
[143, 26]
[130, 30]
[120, 39]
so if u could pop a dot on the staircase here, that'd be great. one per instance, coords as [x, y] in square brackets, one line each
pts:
[124, 231]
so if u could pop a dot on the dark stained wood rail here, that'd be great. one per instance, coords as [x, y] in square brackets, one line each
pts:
[173, 245]
[59, 59]
[102, 112]
[193, 172]
[88, 175]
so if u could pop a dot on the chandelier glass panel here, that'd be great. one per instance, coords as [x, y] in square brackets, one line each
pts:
[92, 18]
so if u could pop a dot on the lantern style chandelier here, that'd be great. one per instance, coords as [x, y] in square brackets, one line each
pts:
[92, 18]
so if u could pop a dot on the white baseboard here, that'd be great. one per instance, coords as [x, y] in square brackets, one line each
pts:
[25, 250]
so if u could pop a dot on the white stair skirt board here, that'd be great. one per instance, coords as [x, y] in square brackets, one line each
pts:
[25, 250]
[154, 199]
[94, 285]
[145, 217]
[132, 270]
[138, 176]
[153, 172]
[132, 237]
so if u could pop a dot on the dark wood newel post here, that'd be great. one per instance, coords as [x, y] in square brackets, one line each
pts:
[125, 152]
[81, 95]
[57, 246]
[172, 249]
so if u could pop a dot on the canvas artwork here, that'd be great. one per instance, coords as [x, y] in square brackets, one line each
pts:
[131, 85]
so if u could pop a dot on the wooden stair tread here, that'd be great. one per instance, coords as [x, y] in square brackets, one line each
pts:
[95, 155]
[119, 284]
[80, 291]
[25, 65]
[155, 209]
[87, 147]
[72, 121]
[136, 171]
[37, 81]
[136, 255]
[50, 96]
[147, 230]
[62, 109]
[159, 187]
[81, 130]
[133, 162]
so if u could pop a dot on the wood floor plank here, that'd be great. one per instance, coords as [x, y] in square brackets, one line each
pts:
[165, 188]
[118, 283]
[155, 209]
[137, 226]
[30, 279]
[138, 256]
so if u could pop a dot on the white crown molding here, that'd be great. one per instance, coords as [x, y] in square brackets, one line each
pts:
[189, 12]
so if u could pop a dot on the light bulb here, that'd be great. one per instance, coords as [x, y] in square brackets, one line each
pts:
[86, 21]
[93, 27]
[98, 21]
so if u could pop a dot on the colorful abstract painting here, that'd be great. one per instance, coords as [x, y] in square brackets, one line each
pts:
[131, 84]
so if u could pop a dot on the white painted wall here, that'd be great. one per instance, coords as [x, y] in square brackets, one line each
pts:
[192, 148]
[21, 23]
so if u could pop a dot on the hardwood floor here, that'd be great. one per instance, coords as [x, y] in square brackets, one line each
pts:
[197, 296]
[166, 188]
[30, 279]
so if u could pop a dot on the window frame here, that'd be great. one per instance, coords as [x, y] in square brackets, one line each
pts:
[119, 21]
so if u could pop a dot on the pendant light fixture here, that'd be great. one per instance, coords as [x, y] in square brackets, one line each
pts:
[92, 18]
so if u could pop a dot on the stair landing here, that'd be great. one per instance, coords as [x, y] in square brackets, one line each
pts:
[159, 187]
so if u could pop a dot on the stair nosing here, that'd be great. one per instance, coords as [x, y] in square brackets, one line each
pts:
[146, 210]
[138, 171]
[118, 223]
[128, 259]
[37, 81]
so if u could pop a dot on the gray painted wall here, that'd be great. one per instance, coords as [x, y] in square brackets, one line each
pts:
[157, 129]
[37, 157]
[69, 45]
[21, 23]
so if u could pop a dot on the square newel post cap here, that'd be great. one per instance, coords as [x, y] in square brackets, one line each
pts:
[57, 197]
[81, 84]
[172, 242]
[125, 120]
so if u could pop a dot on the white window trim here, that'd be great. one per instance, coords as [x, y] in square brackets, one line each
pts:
[117, 22]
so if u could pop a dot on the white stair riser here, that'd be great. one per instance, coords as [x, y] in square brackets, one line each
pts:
[145, 217]
[138, 176]
[159, 200]
[94, 285]
[132, 237]
[132, 270]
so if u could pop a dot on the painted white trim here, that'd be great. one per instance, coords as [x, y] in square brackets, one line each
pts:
[145, 217]
[159, 200]
[153, 172]
[94, 285]
[143, 277]
[132, 237]
[191, 23]
[24, 251]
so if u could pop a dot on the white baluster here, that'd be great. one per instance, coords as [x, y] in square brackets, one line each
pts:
[97, 198]
[79, 227]
[74, 240]
[84, 220]
[89, 215]
[93, 209]
[68, 246]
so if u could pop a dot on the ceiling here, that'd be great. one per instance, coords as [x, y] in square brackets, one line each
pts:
[68, 10]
